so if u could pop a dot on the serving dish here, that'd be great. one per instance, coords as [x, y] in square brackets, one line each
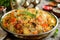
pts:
[31, 36]
[56, 11]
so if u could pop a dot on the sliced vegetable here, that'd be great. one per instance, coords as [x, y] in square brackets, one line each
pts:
[45, 25]
[17, 26]
[35, 32]
[5, 24]
[40, 19]
[13, 20]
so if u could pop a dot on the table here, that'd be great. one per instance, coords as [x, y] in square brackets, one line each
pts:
[43, 2]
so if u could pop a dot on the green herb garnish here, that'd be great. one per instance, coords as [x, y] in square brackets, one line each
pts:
[55, 33]
[28, 13]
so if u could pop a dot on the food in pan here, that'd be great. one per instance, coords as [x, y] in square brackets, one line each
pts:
[28, 21]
